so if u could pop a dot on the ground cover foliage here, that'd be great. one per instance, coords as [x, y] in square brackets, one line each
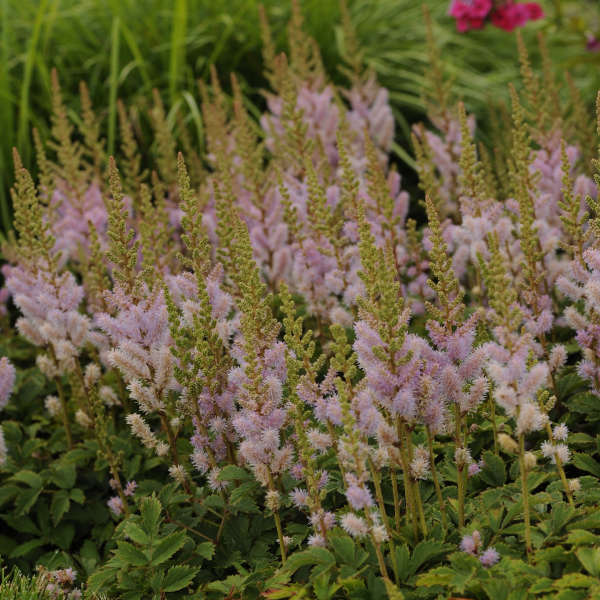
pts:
[248, 373]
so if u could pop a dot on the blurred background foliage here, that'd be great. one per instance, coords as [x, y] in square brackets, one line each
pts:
[123, 49]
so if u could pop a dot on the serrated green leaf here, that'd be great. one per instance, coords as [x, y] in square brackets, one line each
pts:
[60, 505]
[590, 559]
[424, 551]
[7, 492]
[26, 499]
[63, 535]
[178, 577]
[128, 554]
[440, 576]
[494, 470]
[586, 463]
[33, 480]
[581, 537]
[312, 556]
[206, 550]
[77, 495]
[575, 580]
[98, 581]
[344, 547]
[64, 475]
[231, 472]
[135, 533]
[167, 547]
[26, 548]
[150, 511]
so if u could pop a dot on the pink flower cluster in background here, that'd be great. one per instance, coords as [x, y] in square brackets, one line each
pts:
[474, 14]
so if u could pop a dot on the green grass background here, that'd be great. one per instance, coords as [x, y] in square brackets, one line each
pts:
[125, 48]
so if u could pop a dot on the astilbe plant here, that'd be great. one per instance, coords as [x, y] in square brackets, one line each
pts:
[265, 329]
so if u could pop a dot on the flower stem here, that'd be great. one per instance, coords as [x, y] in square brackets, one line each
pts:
[65, 415]
[525, 493]
[436, 482]
[279, 534]
[396, 498]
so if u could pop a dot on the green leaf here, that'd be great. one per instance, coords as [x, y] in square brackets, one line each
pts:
[128, 554]
[590, 559]
[26, 500]
[178, 577]
[232, 472]
[494, 470]
[64, 475]
[63, 535]
[424, 551]
[60, 505]
[150, 511]
[403, 562]
[167, 547]
[581, 537]
[136, 533]
[98, 581]
[8, 492]
[26, 548]
[205, 550]
[77, 495]
[344, 548]
[586, 463]
[441, 576]
[312, 556]
[30, 478]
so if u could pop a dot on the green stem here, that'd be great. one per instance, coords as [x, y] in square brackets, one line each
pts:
[65, 415]
[436, 482]
[380, 559]
[396, 498]
[379, 496]
[419, 503]
[408, 492]
[280, 535]
[460, 482]
[525, 493]
[494, 428]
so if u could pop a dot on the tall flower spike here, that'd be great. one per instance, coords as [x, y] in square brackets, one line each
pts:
[132, 161]
[35, 239]
[473, 188]
[90, 128]
[523, 182]
[353, 54]
[446, 286]
[68, 151]
[501, 293]
[165, 142]
[572, 217]
[123, 250]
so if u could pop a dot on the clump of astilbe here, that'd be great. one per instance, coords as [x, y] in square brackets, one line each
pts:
[581, 283]
[200, 332]
[459, 378]
[479, 213]
[392, 363]
[513, 367]
[74, 201]
[47, 296]
[261, 416]
[7, 382]
[137, 328]
[363, 518]
[301, 365]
